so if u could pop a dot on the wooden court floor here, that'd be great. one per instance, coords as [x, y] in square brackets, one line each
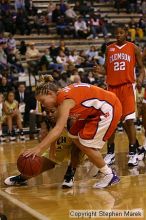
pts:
[43, 198]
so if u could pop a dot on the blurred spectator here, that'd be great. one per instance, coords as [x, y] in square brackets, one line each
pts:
[62, 7]
[13, 59]
[85, 8]
[19, 4]
[12, 112]
[62, 26]
[51, 8]
[30, 8]
[90, 78]
[11, 42]
[22, 48]
[63, 81]
[62, 46]
[53, 50]
[47, 62]
[77, 7]
[70, 13]
[103, 26]
[3, 56]
[22, 97]
[81, 29]
[94, 26]
[33, 57]
[32, 52]
[131, 6]
[4, 6]
[82, 58]
[62, 59]
[5, 87]
[142, 23]
[41, 22]
[22, 22]
[76, 79]
[91, 52]
[28, 5]
[143, 6]
[9, 22]
[56, 75]
[101, 58]
[56, 13]
[74, 58]
[134, 30]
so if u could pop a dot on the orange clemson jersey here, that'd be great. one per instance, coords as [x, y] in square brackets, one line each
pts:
[120, 64]
[89, 100]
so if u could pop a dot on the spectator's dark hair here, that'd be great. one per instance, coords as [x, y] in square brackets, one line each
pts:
[11, 91]
[21, 83]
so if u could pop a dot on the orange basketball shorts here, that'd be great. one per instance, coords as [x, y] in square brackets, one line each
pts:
[94, 131]
[126, 95]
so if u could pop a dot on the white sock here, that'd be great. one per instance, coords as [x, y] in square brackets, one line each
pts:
[106, 170]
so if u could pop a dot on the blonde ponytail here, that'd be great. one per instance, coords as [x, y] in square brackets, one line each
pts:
[45, 84]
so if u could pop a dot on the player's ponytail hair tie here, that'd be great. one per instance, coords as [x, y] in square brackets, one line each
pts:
[46, 78]
[45, 84]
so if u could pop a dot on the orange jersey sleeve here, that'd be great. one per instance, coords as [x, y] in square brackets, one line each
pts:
[120, 64]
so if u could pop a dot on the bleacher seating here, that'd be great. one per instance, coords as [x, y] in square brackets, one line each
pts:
[106, 10]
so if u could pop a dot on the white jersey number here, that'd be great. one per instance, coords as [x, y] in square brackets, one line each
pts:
[119, 66]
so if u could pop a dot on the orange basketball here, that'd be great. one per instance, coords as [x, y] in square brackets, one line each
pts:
[28, 166]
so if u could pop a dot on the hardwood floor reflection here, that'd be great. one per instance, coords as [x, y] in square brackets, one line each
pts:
[12, 212]
[44, 194]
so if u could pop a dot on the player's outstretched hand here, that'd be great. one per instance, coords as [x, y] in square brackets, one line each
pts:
[35, 151]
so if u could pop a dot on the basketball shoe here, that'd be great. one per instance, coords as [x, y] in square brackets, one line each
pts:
[12, 136]
[141, 153]
[22, 136]
[107, 180]
[15, 181]
[133, 159]
[2, 138]
[109, 158]
[69, 177]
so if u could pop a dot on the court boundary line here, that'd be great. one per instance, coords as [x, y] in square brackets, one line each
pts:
[23, 206]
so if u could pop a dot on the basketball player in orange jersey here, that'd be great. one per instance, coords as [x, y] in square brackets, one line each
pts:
[65, 147]
[121, 59]
[96, 113]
